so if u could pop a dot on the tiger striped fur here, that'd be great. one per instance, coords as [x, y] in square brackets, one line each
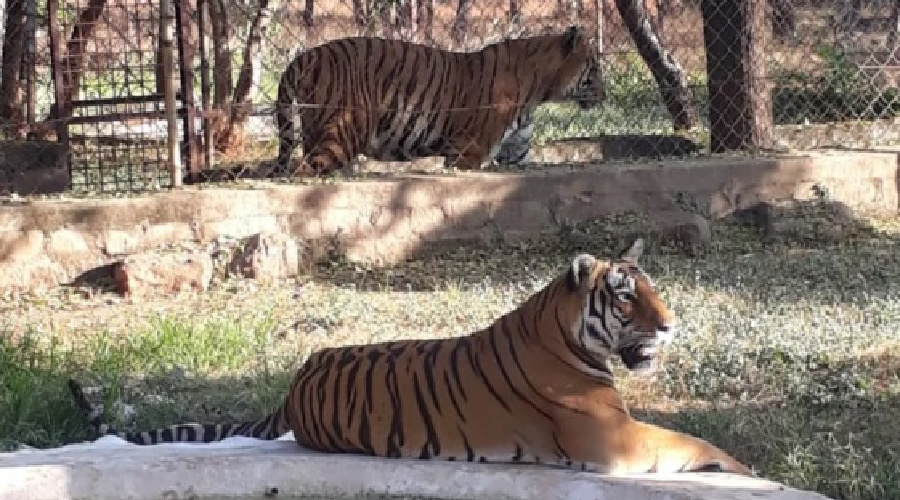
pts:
[392, 100]
[534, 387]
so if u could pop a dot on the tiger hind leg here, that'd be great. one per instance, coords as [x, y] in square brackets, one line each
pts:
[516, 141]
[337, 145]
[493, 137]
[468, 156]
[284, 125]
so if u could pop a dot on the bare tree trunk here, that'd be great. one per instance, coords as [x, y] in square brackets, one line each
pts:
[360, 14]
[784, 18]
[425, 19]
[849, 16]
[251, 67]
[11, 95]
[248, 78]
[735, 35]
[404, 16]
[668, 8]
[29, 61]
[222, 80]
[651, 7]
[569, 10]
[56, 70]
[895, 25]
[515, 12]
[387, 13]
[309, 12]
[185, 11]
[665, 69]
[73, 61]
[461, 23]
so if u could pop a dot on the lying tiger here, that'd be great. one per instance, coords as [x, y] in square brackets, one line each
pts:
[395, 101]
[533, 387]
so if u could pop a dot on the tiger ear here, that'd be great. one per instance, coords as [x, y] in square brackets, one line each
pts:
[579, 276]
[633, 252]
[570, 39]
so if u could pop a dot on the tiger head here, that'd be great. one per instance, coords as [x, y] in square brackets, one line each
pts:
[578, 70]
[589, 90]
[621, 311]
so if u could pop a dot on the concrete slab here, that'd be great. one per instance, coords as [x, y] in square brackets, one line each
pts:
[243, 468]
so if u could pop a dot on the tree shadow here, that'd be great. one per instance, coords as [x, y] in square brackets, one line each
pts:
[496, 227]
[752, 250]
[640, 146]
[37, 410]
[833, 432]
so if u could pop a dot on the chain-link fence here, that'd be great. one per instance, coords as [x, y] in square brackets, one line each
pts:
[82, 104]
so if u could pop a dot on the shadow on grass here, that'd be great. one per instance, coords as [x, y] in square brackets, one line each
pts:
[827, 252]
[413, 212]
[844, 444]
[37, 410]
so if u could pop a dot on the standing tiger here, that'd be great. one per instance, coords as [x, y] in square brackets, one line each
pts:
[533, 387]
[395, 101]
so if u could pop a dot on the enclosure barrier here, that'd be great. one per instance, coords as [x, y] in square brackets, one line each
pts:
[91, 102]
[46, 243]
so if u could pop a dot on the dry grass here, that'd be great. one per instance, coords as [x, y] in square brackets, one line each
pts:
[788, 355]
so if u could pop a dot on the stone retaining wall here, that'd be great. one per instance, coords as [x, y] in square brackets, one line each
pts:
[44, 243]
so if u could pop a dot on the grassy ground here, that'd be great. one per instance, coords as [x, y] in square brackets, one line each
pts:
[788, 357]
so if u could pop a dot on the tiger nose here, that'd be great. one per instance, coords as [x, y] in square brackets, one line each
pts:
[665, 333]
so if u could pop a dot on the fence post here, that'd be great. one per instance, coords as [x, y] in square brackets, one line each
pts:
[185, 50]
[30, 62]
[205, 106]
[736, 36]
[166, 29]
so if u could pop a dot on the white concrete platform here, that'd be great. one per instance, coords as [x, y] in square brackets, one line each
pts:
[240, 468]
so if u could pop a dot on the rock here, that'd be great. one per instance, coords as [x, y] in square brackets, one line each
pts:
[759, 215]
[835, 233]
[685, 230]
[158, 273]
[267, 256]
[38, 274]
[33, 167]
[806, 220]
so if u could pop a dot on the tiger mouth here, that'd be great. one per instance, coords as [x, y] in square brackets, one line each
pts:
[641, 358]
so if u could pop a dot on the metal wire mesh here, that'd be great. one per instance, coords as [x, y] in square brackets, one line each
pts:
[115, 129]
[833, 68]
[96, 106]
[682, 77]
